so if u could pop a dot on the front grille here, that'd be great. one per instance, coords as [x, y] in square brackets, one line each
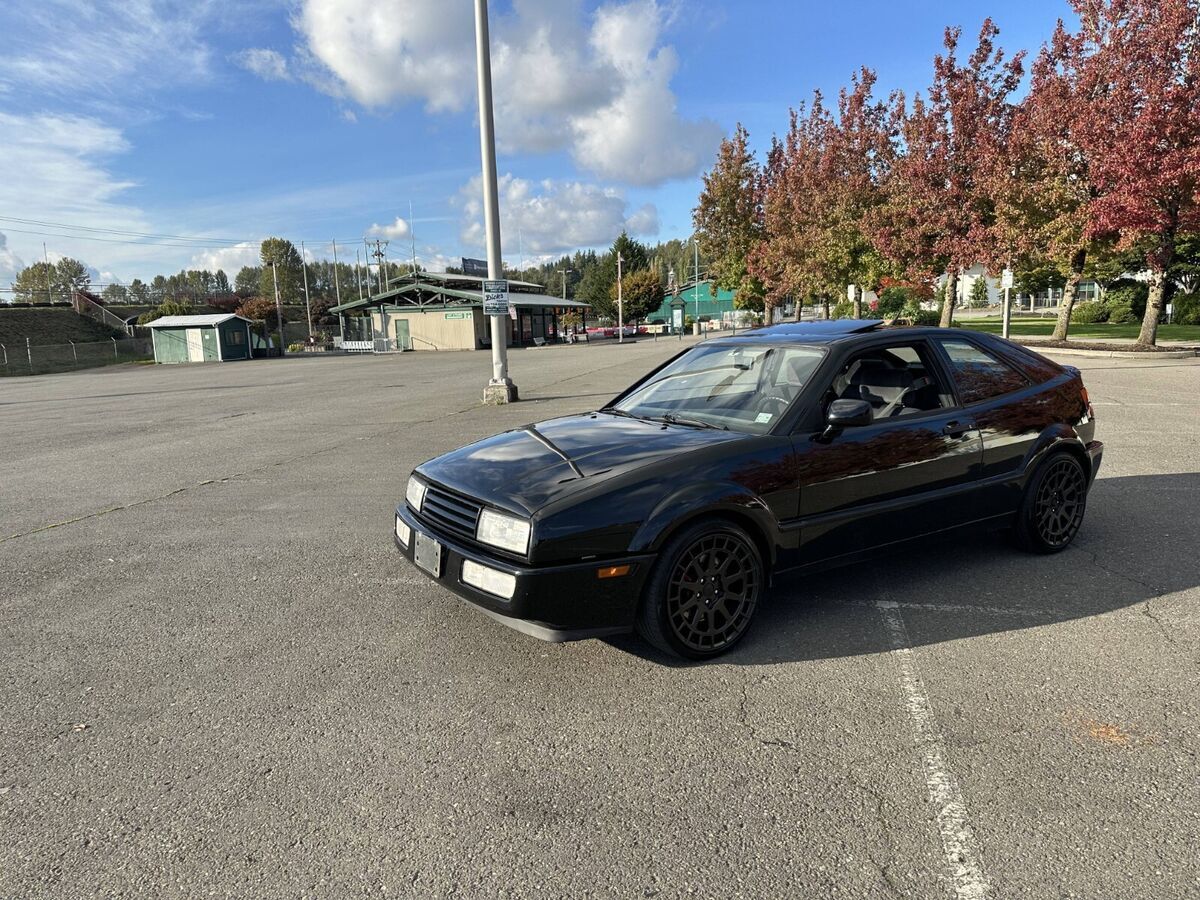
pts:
[450, 512]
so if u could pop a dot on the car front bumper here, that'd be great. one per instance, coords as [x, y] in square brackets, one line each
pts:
[552, 603]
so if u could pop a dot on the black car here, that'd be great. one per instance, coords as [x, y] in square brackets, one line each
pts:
[791, 447]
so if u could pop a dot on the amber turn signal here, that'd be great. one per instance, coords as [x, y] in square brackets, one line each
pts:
[612, 571]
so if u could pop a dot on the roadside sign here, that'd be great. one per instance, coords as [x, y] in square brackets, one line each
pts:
[495, 298]
[1006, 280]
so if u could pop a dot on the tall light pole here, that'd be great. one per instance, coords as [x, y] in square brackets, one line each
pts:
[307, 302]
[620, 303]
[278, 305]
[565, 273]
[337, 287]
[696, 280]
[501, 388]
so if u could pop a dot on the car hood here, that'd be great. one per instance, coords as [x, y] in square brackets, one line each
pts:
[526, 468]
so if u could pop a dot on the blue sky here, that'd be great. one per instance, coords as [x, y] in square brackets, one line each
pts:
[220, 122]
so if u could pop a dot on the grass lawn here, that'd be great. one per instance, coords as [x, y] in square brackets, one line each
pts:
[1033, 327]
[49, 325]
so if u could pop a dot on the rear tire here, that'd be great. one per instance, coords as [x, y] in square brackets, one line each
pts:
[703, 592]
[1053, 505]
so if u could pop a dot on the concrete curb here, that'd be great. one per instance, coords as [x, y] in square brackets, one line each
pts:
[1113, 354]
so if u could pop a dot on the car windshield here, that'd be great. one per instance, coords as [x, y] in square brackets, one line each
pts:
[739, 387]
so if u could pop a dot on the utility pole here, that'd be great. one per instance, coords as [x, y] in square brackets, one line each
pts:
[46, 257]
[358, 272]
[278, 305]
[620, 303]
[307, 302]
[565, 273]
[380, 260]
[337, 287]
[696, 280]
[412, 234]
[501, 388]
[367, 265]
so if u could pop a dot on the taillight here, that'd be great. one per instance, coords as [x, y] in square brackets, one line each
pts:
[1086, 402]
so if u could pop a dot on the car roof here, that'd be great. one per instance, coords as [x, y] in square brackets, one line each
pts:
[830, 331]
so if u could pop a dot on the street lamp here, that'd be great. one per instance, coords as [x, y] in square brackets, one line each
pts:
[278, 305]
[500, 389]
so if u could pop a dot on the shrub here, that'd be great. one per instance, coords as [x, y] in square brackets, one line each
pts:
[843, 309]
[1128, 292]
[1119, 314]
[918, 316]
[892, 301]
[977, 297]
[167, 308]
[296, 347]
[1186, 309]
[260, 309]
[1089, 313]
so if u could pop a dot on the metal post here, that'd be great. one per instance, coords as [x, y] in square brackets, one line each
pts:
[696, 280]
[620, 303]
[278, 306]
[29, 353]
[74, 353]
[1007, 314]
[501, 388]
[337, 286]
[116, 352]
[307, 303]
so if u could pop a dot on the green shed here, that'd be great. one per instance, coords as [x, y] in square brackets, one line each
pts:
[210, 338]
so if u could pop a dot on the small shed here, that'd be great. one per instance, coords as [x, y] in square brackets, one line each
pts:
[209, 338]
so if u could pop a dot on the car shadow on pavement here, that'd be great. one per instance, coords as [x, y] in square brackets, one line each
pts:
[1138, 542]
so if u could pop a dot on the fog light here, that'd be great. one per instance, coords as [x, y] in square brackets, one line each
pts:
[403, 532]
[489, 580]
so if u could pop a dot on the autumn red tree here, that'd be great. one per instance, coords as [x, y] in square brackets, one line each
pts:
[938, 213]
[1041, 183]
[1137, 67]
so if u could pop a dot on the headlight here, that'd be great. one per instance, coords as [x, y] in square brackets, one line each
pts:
[415, 493]
[503, 531]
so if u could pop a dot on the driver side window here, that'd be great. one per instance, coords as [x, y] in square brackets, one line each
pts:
[897, 381]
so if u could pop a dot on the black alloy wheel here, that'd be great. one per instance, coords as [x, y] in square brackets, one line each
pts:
[704, 591]
[1054, 503]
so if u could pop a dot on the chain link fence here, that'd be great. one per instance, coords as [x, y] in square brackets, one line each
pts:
[43, 359]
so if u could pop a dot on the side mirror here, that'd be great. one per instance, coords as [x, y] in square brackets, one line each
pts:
[848, 414]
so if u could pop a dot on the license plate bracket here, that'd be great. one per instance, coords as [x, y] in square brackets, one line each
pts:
[427, 554]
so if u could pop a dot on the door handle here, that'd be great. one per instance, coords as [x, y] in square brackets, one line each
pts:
[956, 429]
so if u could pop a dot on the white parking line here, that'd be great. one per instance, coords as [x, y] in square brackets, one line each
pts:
[958, 838]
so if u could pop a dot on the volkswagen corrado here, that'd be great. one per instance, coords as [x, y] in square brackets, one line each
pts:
[669, 510]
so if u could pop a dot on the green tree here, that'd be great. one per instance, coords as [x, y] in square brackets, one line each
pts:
[72, 276]
[978, 296]
[288, 266]
[642, 293]
[221, 283]
[115, 293]
[728, 217]
[139, 291]
[246, 283]
[36, 284]
[167, 308]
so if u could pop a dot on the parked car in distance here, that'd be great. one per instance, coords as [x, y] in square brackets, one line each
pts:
[788, 448]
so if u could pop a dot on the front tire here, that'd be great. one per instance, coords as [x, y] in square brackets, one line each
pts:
[1053, 506]
[703, 592]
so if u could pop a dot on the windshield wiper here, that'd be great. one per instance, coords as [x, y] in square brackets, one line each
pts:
[694, 423]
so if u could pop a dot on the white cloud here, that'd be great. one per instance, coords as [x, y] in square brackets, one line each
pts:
[385, 50]
[268, 65]
[553, 217]
[62, 161]
[231, 259]
[74, 48]
[393, 232]
[639, 137]
[600, 88]
[10, 263]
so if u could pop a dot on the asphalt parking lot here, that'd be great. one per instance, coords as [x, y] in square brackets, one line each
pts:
[218, 678]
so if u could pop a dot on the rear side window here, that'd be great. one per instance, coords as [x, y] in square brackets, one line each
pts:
[980, 375]
[1036, 367]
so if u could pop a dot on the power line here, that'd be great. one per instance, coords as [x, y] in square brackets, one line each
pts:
[150, 239]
